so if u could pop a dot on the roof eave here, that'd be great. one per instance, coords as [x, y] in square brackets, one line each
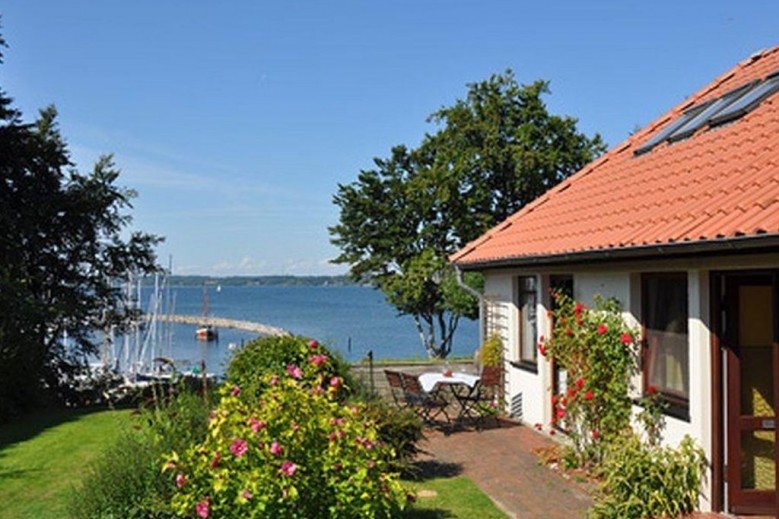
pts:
[745, 244]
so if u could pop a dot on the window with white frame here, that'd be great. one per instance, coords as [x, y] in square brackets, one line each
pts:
[527, 352]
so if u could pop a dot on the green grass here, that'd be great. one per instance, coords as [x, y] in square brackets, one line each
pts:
[44, 454]
[453, 497]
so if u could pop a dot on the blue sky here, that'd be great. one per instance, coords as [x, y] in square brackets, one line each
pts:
[235, 121]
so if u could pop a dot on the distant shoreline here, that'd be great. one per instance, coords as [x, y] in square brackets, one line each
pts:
[257, 281]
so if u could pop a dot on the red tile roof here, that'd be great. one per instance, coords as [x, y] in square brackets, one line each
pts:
[720, 184]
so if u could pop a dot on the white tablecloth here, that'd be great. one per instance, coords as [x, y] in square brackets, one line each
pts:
[429, 380]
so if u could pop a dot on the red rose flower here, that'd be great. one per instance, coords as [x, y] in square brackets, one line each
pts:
[579, 383]
[651, 390]
[589, 395]
[626, 339]
[602, 329]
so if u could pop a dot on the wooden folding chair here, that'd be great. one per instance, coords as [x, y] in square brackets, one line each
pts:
[397, 390]
[475, 404]
[427, 405]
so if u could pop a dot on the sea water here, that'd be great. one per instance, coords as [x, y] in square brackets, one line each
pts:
[351, 320]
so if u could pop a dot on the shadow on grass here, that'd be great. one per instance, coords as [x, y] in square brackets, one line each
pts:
[429, 469]
[36, 422]
[437, 513]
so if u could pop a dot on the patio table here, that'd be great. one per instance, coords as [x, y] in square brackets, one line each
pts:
[461, 386]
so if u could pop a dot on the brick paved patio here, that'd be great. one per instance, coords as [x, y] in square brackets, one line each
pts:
[501, 461]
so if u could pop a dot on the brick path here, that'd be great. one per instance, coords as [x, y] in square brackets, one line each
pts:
[501, 462]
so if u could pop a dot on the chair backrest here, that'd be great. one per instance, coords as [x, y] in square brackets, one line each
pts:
[490, 376]
[411, 383]
[394, 379]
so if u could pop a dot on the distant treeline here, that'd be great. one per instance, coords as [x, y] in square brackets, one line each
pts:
[258, 281]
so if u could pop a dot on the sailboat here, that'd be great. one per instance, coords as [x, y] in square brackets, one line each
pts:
[206, 332]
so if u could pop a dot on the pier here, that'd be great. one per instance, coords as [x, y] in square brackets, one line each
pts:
[262, 329]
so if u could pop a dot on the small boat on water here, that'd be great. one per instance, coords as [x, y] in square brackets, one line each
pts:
[206, 332]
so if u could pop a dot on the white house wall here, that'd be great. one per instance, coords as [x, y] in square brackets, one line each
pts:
[534, 389]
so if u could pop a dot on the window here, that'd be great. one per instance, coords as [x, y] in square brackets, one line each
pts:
[729, 107]
[526, 303]
[666, 345]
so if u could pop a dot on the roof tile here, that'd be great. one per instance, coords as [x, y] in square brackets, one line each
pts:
[721, 182]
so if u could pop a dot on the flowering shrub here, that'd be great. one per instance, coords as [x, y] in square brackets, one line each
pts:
[597, 350]
[294, 452]
[308, 361]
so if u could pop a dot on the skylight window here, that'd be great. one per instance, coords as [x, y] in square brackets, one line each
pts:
[732, 105]
[747, 102]
[709, 110]
[663, 135]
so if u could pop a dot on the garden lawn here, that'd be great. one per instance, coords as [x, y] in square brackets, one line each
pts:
[43, 455]
[455, 497]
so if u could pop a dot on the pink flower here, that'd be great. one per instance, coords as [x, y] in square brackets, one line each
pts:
[602, 329]
[595, 434]
[236, 391]
[335, 382]
[318, 360]
[276, 449]
[202, 508]
[294, 371]
[274, 380]
[239, 447]
[561, 413]
[246, 494]
[579, 383]
[170, 466]
[257, 425]
[288, 468]
[626, 339]
[578, 309]
[333, 437]
[181, 479]
[568, 332]
[589, 395]
[313, 344]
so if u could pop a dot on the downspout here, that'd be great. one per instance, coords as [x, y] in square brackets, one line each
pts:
[466, 287]
[475, 293]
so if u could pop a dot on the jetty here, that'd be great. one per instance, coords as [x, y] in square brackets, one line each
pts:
[262, 329]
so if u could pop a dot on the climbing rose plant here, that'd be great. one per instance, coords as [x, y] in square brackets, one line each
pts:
[597, 349]
[293, 453]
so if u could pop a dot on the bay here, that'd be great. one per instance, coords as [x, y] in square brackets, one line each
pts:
[351, 320]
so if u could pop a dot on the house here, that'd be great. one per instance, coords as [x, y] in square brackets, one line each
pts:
[680, 223]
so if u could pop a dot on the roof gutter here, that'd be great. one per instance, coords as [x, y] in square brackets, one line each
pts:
[751, 244]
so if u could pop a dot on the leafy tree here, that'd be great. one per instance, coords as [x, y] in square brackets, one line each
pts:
[63, 243]
[494, 152]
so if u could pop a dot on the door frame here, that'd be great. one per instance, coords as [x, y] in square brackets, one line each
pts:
[721, 354]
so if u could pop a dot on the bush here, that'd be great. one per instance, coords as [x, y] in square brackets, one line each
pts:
[641, 480]
[254, 365]
[400, 428]
[492, 351]
[125, 481]
[293, 453]
[597, 350]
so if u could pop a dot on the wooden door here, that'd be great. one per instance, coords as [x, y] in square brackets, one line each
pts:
[752, 361]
